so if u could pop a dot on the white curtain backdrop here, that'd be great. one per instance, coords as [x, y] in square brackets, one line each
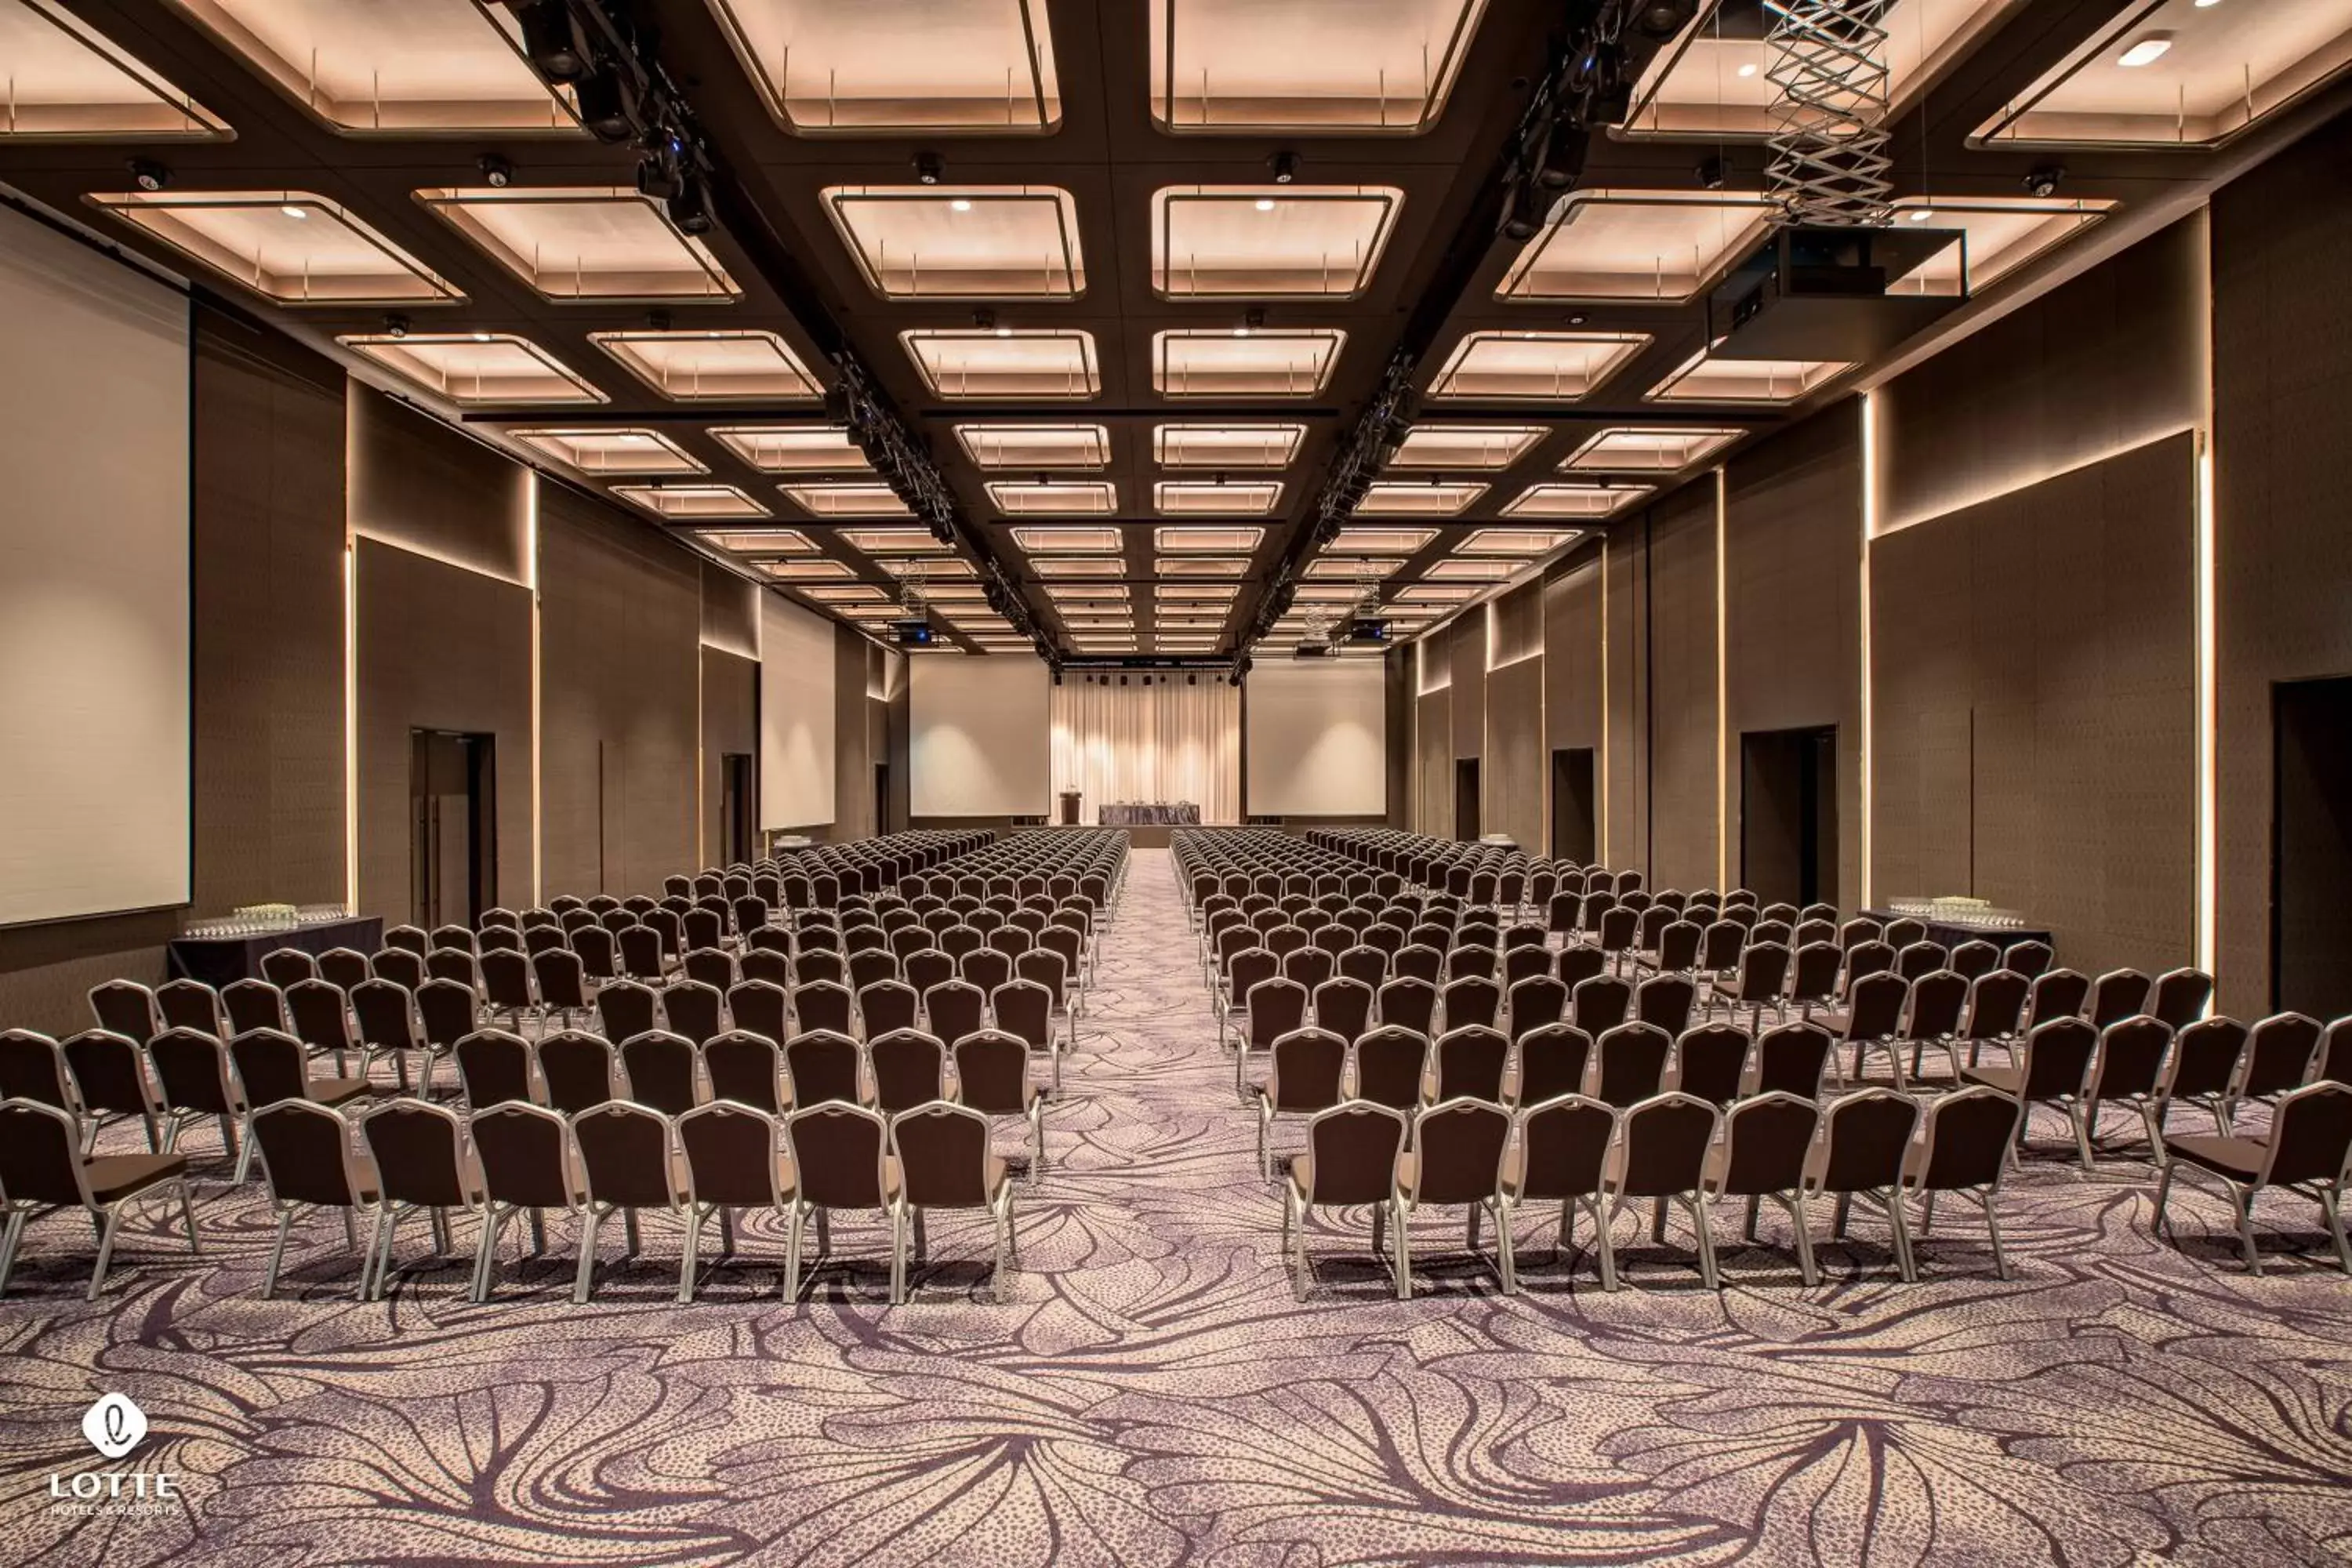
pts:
[1166, 741]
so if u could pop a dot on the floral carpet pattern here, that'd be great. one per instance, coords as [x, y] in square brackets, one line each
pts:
[1153, 1393]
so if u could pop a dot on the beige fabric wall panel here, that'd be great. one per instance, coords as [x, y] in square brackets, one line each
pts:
[1513, 771]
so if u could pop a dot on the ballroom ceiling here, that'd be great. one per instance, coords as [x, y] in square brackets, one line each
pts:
[1106, 291]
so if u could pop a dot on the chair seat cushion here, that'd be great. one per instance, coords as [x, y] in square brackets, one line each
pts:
[116, 1177]
[2006, 1080]
[2240, 1159]
[337, 1090]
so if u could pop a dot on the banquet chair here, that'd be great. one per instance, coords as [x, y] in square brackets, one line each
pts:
[42, 1166]
[1351, 1162]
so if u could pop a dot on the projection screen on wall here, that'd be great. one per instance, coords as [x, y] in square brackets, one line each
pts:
[979, 743]
[796, 716]
[94, 619]
[1317, 732]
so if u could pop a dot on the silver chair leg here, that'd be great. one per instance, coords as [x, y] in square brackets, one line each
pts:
[583, 1279]
[2163, 1192]
[1702, 1223]
[387, 1218]
[1904, 1262]
[1992, 1228]
[2244, 1202]
[791, 1288]
[1602, 1213]
[105, 1252]
[188, 1215]
[2331, 1204]
[1806, 1269]
[685, 1254]
[15, 1234]
[1503, 1248]
[1403, 1255]
[276, 1253]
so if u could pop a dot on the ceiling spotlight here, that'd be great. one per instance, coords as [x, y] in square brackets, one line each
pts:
[689, 209]
[480, 337]
[1523, 211]
[961, 204]
[291, 210]
[548, 40]
[1662, 19]
[1746, 70]
[1266, 204]
[2045, 178]
[396, 326]
[658, 177]
[657, 320]
[930, 168]
[1577, 318]
[1566, 146]
[1712, 172]
[603, 106]
[2145, 50]
[1285, 166]
[496, 173]
[148, 174]
[1920, 214]
[985, 319]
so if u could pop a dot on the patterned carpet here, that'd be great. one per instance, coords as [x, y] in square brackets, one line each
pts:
[1153, 1394]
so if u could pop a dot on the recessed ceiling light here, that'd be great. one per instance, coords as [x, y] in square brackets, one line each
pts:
[1920, 215]
[2149, 49]
[1748, 69]
[292, 211]
[1266, 204]
[961, 205]
[481, 337]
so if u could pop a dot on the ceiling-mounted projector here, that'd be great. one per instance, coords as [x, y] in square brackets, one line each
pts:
[1820, 292]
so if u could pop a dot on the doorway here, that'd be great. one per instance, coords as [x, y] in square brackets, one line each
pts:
[1465, 798]
[736, 793]
[1788, 815]
[2310, 847]
[1574, 825]
[453, 826]
[881, 798]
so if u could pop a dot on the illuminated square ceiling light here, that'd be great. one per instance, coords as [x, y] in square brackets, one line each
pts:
[763, 541]
[682, 502]
[1383, 540]
[606, 450]
[1656, 247]
[1077, 622]
[961, 242]
[957, 363]
[1195, 593]
[1331, 593]
[419, 68]
[856, 594]
[1573, 500]
[713, 367]
[1436, 593]
[1234, 67]
[808, 571]
[2003, 233]
[793, 449]
[1047, 498]
[1220, 242]
[1226, 445]
[1088, 592]
[1355, 567]
[67, 79]
[1648, 448]
[1472, 571]
[894, 541]
[289, 247]
[846, 500]
[2178, 73]
[1485, 446]
[1199, 566]
[1412, 497]
[1183, 538]
[1205, 498]
[1037, 541]
[1704, 379]
[1183, 644]
[476, 368]
[947, 592]
[1245, 362]
[824, 67]
[1549, 367]
[1519, 542]
[1714, 81]
[1079, 567]
[1031, 447]
[1177, 623]
[576, 243]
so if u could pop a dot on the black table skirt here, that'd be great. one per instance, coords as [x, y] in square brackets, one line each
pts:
[1950, 936]
[1178, 815]
[218, 960]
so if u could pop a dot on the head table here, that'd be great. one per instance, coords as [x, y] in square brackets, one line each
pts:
[1149, 814]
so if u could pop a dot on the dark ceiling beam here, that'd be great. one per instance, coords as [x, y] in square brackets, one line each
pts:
[620, 40]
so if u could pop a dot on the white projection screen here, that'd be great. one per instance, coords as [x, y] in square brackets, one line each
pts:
[94, 617]
[796, 709]
[979, 743]
[1318, 734]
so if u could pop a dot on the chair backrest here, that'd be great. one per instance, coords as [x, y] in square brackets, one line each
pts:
[192, 1072]
[1564, 1148]
[1276, 1007]
[2206, 1058]
[1598, 1005]
[1666, 1000]
[761, 1007]
[626, 1010]
[1710, 1061]
[821, 1065]
[1470, 1063]
[1409, 1001]
[2279, 1052]
[283, 966]
[1552, 1059]
[1665, 1139]
[1875, 1006]
[190, 1004]
[1632, 1064]
[954, 1008]
[2181, 997]
[577, 1068]
[837, 1152]
[1537, 1002]
[1767, 1140]
[2311, 1135]
[2117, 995]
[711, 966]
[1458, 1145]
[270, 1066]
[1973, 958]
[1390, 1063]
[2130, 1057]
[1344, 1006]
[127, 1008]
[108, 1072]
[692, 1009]
[419, 1150]
[1996, 1005]
[41, 1155]
[1472, 1000]
[744, 1067]
[2056, 994]
[1418, 961]
[2334, 1063]
[255, 1004]
[1306, 1068]
[1353, 1149]
[1869, 1131]
[493, 1067]
[1932, 1012]
[942, 1153]
[1791, 1058]
[731, 1153]
[909, 1069]
[306, 1154]
[1969, 1134]
[624, 1154]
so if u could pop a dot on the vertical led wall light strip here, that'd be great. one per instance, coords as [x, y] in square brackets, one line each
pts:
[1722, 689]
[2208, 870]
[350, 665]
[1601, 844]
[1869, 527]
[530, 570]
